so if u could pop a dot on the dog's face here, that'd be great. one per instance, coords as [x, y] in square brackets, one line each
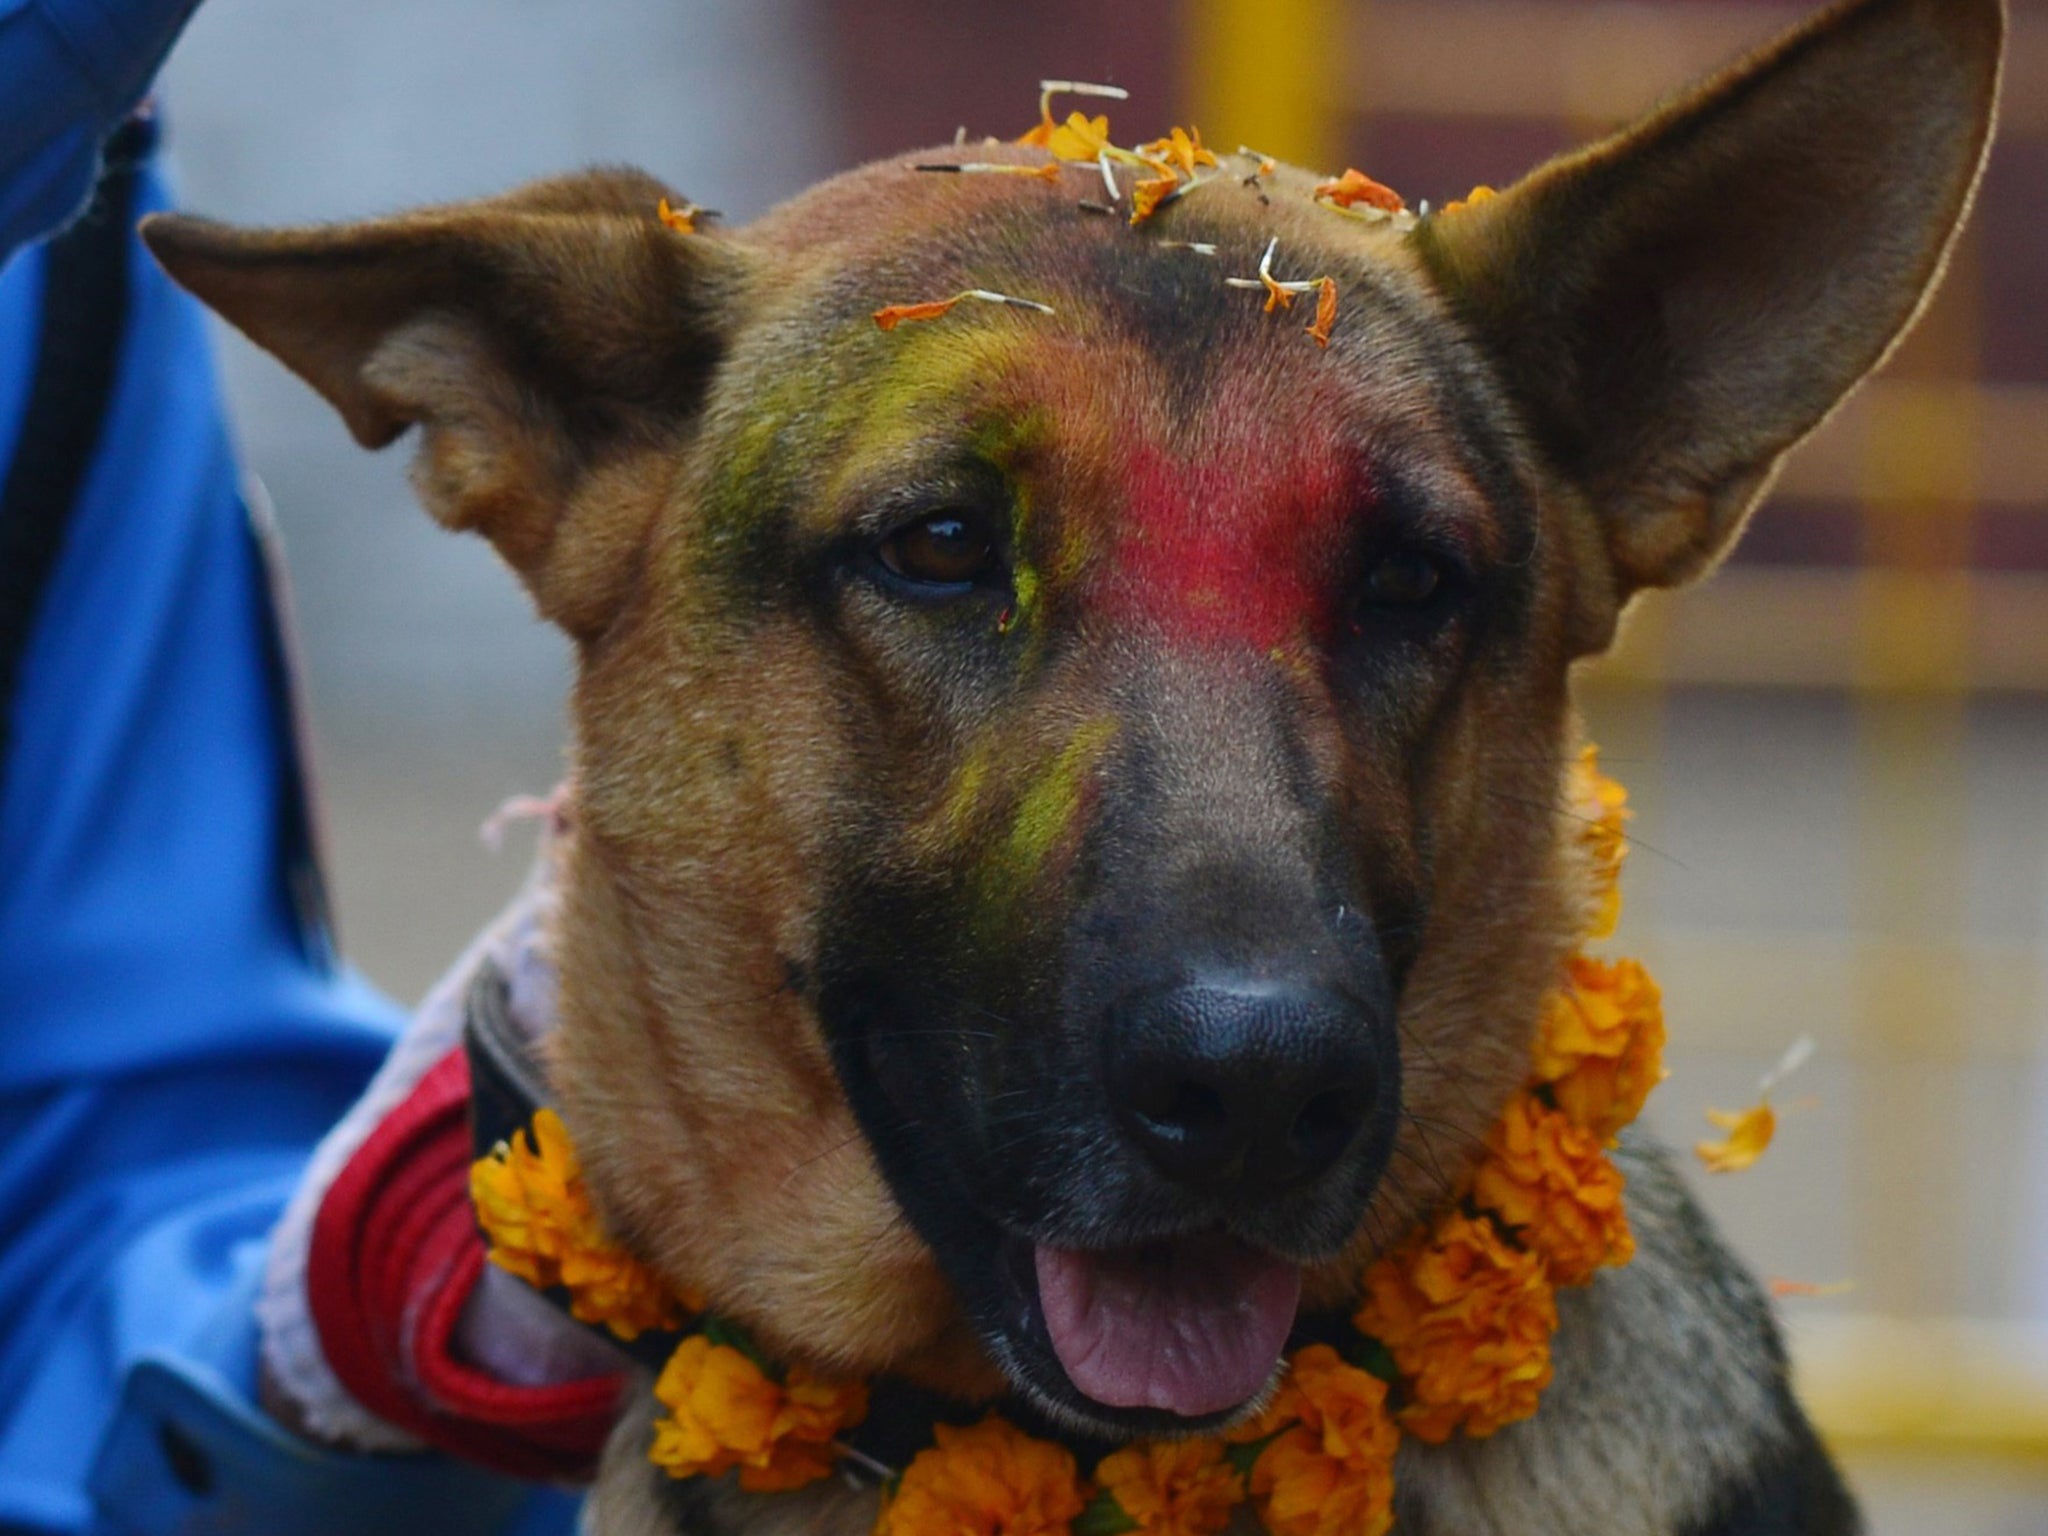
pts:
[1162, 674]
[1069, 840]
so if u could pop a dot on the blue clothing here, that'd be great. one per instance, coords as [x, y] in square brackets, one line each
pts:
[70, 71]
[174, 1034]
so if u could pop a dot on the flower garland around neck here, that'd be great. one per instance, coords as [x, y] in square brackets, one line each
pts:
[1452, 1333]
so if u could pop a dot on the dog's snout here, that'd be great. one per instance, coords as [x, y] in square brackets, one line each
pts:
[1242, 1088]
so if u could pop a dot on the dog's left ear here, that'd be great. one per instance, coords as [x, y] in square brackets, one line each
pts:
[1676, 307]
[546, 343]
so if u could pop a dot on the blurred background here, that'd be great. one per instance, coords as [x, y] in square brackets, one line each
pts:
[1838, 749]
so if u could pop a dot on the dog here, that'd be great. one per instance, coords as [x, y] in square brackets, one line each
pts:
[1071, 797]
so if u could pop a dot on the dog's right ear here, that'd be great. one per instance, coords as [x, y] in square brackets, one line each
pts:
[539, 340]
[1676, 307]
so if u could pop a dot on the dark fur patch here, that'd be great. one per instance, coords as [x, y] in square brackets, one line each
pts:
[1794, 1491]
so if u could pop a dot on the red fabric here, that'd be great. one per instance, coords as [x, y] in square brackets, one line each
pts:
[395, 1255]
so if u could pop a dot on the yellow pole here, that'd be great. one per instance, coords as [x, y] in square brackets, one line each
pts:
[1267, 73]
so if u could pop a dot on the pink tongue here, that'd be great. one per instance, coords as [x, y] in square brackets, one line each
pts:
[1193, 1326]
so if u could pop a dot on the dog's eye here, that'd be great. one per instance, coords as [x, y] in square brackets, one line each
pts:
[947, 549]
[1405, 579]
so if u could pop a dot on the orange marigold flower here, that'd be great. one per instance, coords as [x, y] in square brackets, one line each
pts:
[1326, 311]
[1181, 147]
[1332, 1473]
[1601, 806]
[1468, 1319]
[987, 1480]
[1471, 199]
[1749, 1135]
[1600, 1045]
[1355, 187]
[1554, 1184]
[1172, 1487]
[726, 1412]
[532, 1204]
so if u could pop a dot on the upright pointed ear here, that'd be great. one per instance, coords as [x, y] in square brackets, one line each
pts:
[1679, 305]
[546, 343]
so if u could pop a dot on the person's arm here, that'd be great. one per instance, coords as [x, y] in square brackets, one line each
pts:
[70, 71]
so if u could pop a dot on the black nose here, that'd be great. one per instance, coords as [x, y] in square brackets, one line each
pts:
[1248, 1088]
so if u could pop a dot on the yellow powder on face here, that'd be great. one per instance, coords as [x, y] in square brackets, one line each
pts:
[1048, 807]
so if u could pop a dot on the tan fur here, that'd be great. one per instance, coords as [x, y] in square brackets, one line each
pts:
[1627, 342]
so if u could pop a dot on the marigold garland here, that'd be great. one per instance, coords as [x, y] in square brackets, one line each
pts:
[1454, 1325]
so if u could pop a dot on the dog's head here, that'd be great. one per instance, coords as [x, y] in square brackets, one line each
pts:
[1068, 804]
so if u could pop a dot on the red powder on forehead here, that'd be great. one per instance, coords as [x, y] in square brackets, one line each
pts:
[1241, 545]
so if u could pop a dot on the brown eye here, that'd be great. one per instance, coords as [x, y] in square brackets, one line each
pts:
[944, 550]
[1403, 580]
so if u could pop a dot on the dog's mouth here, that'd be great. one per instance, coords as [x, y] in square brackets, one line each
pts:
[1162, 1335]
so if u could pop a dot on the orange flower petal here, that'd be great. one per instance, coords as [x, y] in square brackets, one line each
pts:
[1181, 147]
[1080, 137]
[1355, 187]
[889, 316]
[682, 220]
[1786, 1288]
[1040, 135]
[1148, 194]
[1749, 1135]
[1326, 311]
